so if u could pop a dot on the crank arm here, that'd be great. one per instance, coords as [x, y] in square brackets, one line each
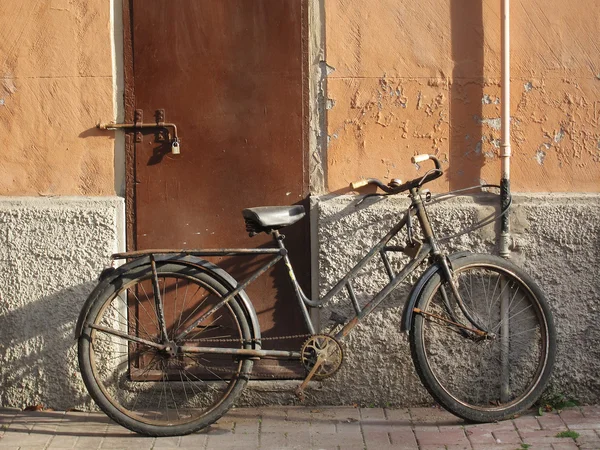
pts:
[300, 389]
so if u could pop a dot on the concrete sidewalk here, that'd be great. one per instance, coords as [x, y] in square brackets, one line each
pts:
[342, 428]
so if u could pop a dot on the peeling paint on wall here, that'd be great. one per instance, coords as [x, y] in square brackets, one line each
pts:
[386, 50]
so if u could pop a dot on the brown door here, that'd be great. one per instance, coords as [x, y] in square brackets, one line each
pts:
[231, 75]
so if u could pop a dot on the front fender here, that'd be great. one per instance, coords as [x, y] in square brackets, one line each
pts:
[407, 312]
[110, 275]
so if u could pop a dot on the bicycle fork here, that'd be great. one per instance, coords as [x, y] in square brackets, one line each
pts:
[447, 273]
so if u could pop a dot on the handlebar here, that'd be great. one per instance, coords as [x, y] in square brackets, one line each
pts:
[394, 187]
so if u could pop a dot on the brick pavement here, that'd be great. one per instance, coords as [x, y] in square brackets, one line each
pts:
[339, 428]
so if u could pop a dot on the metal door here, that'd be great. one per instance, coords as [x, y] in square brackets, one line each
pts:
[231, 75]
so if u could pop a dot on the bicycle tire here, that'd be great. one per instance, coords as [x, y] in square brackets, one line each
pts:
[145, 389]
[484, 380]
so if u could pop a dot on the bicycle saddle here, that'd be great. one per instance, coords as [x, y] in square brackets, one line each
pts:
[267, 218]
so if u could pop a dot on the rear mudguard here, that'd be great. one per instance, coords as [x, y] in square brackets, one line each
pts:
[415, 293]
[110, 275]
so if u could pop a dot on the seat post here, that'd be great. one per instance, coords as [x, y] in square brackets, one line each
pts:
[300, 296]
[278, 237]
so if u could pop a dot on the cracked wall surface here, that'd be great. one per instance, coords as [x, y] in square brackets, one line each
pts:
[424, 77]
[55, 86]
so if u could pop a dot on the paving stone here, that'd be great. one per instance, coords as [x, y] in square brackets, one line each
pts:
[403, 438]
[372, 414]
[496, 447]
[87, 442]
[321, 426]
[589, 446]
[298, 414]
[355, 446]
[376, 426]
[434, 415]
[397, 415]
[167, 442]
[23, 438]
[336, 414]
[247, 426]
[449, 436]
[197, 440]
[299, 439]
[551, 421]
[565, 446]
[128, 442]
[480, 436]
[507, 437]
[591, 411]
[231, 441]
[426, 427]
[32, 447]
[540, 437]
[342, 439]
[61, 441]
[309, 428]
[505, 425]
[376, 438]
[585, 423]
[588, 437]
[527, 423]
[570, 414]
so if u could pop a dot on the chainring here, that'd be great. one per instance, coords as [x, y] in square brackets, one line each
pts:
[328, 348]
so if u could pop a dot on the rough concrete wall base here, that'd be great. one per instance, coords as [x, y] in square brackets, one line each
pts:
[53, 249]
[51, 252]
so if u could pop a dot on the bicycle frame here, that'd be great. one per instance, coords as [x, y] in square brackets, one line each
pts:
[424, 250]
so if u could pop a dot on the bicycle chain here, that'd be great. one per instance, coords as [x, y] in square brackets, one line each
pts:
[253, 374]
[253, 340]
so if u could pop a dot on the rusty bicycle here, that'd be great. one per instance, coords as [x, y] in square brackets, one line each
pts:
[481, 333]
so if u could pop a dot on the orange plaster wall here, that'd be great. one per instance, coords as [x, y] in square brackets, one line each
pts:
[423, 76]
[55, 85]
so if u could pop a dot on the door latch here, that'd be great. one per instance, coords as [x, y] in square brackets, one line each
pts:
[139, 124]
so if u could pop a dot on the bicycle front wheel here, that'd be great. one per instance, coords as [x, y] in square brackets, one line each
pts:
[147, 389]
[483, 378]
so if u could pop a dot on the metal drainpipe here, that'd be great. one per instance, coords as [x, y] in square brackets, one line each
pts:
[505, 393]
[505, 145]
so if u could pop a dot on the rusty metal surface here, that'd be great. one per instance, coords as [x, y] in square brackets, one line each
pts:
[198, 252]
[231, 74]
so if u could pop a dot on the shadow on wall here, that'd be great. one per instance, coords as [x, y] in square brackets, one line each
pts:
[466, 94]
[38, 355]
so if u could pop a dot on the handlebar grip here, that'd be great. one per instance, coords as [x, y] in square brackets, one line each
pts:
[359, 184]
[419, 158]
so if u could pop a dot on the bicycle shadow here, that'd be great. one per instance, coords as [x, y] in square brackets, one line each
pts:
[39, 353]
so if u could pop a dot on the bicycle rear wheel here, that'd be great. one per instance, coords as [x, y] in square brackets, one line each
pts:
[484, 379]
[152, 391]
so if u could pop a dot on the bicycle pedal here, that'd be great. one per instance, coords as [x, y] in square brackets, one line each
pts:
[299, 392]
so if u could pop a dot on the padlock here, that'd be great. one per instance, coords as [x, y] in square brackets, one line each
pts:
[175, 149]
